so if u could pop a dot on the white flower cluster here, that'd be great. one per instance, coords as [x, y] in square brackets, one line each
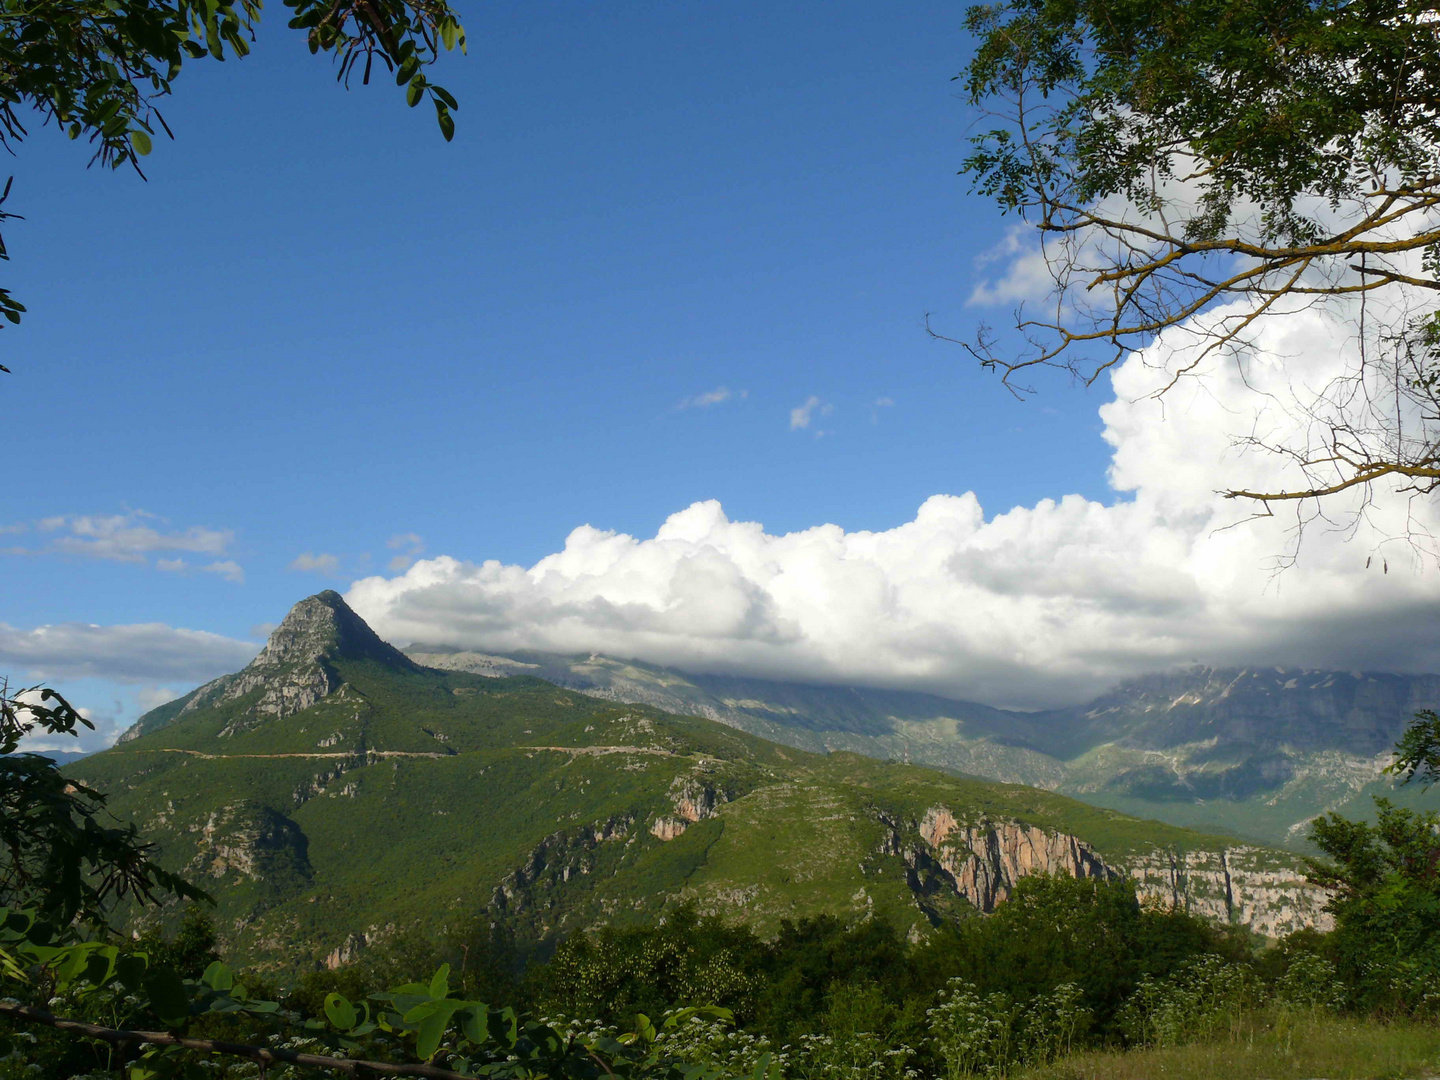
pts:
[859, 1055]
[978, 1036]
[710, 1041]
[1203, 997]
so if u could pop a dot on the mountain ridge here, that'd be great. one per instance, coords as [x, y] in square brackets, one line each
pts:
[1257, 752]
[408, 796]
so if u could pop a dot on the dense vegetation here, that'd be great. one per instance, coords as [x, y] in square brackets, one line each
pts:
[1066, 966]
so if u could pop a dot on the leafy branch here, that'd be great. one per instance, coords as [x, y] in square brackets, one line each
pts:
[1201, 165]
[97, 68]
[435, 1033]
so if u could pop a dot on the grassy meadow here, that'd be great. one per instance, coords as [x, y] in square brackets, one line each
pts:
[1272, 1046]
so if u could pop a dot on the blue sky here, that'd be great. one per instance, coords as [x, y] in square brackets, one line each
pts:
[319, 329]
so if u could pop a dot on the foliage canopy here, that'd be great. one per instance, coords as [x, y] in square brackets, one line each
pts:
[1208, 163]
[56, 854]
[99, 68]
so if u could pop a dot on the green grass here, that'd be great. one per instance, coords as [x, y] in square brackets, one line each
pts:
[1273, 1048]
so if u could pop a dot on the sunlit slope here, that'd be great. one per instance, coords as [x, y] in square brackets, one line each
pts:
[1255, 752]
[331, 796]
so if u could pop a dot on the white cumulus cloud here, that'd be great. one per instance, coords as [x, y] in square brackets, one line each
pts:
[146, 653]
[1033, 606]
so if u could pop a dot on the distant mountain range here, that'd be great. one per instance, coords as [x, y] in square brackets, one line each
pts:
[1250, 752]
[336, 792]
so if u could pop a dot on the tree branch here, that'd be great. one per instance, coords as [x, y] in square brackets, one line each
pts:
[264, 1056]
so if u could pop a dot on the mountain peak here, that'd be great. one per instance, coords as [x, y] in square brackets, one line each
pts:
[323, 627]
[297, 666]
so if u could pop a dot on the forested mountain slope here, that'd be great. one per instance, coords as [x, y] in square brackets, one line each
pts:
[335, 792]
[1256, 752]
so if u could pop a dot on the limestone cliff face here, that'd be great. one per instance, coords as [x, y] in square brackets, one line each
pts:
[694, 800]
[986, 859]
[250, 841]
[553, 862]
[1244, 885]
[982, 860]
[296, 667]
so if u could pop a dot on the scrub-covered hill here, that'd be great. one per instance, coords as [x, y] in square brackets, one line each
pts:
[335, 791]
[1255, 752]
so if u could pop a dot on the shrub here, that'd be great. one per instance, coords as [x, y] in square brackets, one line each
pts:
[987, 1036]
[1310, 983]
[1205, 997]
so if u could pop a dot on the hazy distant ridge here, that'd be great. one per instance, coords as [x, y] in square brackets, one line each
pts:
[1255, 751]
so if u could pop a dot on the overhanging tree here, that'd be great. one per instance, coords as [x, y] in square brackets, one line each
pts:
[59, 857]
[99, 69]
[1196, 166]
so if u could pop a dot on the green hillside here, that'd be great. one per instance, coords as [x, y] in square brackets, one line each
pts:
[334, 792]
[1253, 752]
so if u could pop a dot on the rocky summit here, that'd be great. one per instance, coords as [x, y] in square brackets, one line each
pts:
[336, 792]
[294, 670]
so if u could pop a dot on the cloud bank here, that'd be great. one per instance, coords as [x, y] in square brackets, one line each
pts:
[137, 653]
[1034, 606]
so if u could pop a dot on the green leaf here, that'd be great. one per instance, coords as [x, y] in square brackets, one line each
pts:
[130, 970]
[167, 996]
[473, 1023]
[440, 984]
[141, 142]
[644, 1028]
[430, 1031]
[101, 965]
[218, 977]
[504, 1027]
[340, 1012]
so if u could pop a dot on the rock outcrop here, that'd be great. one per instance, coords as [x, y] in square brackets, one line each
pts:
[253, 842]
[981, 862]
[986, 859]
[553, 862]
[296, 667]
[694, 800]
[1251, 887]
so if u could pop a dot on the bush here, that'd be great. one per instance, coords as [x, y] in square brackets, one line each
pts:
[1206, 997]
[987, 1036]
[1310, 983]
